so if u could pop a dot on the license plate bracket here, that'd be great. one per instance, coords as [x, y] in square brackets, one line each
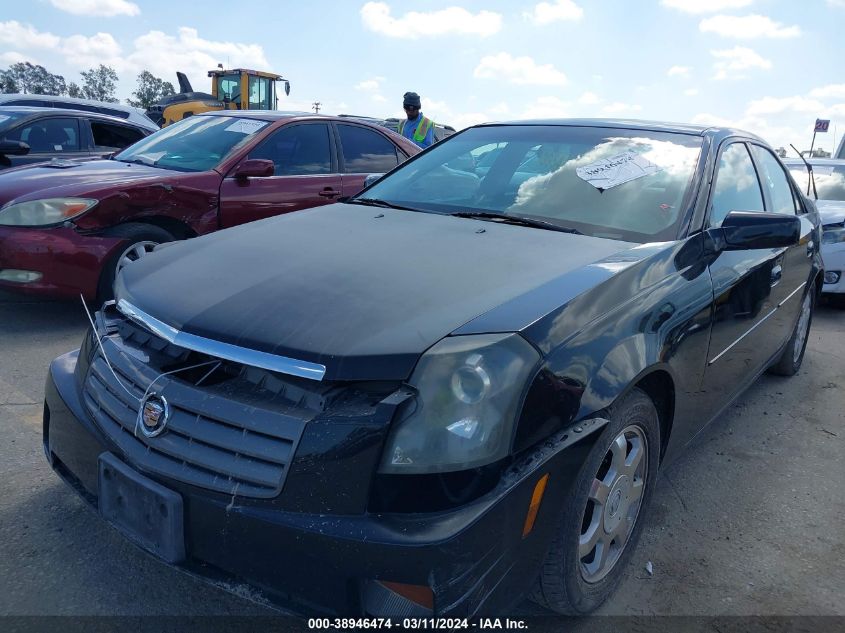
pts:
[146, 512]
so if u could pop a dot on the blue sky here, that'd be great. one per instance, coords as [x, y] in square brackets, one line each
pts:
[769, 66]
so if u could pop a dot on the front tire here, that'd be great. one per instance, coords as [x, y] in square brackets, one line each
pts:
[602, 515]
[140, 240]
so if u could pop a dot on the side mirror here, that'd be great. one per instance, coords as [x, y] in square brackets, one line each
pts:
[255, 168]
[747, 230]
[372, 179]
[13, 148]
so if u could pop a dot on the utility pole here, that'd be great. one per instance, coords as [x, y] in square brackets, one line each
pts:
[316, 105]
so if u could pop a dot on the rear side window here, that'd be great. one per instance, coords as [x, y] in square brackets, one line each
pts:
[111, 136]
[366, 151]
[737, 187]
[48, 135]
[773, 179]
[298, 150]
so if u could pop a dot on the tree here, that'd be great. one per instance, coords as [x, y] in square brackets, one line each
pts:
[7, 83]
[150, 90]
[73, 90]
[99, 83]
[32, 78]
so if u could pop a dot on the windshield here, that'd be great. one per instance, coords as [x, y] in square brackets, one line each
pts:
[615, 183]
[198, 143]
[830, 180]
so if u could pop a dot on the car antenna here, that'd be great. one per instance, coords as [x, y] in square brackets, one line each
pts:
[812, 178]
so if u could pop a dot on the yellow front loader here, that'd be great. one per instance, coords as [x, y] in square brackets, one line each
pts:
[236, 89]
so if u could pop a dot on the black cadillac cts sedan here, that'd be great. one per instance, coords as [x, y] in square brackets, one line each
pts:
[452, 390]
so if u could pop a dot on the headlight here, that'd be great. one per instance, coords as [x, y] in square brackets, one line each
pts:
[833, 235]
[469, 390]
[44, 212]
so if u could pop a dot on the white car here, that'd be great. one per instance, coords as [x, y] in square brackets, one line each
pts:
[134, 115]
[829, 176]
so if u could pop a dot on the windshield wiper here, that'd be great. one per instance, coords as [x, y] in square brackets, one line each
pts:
[516, 219]
[375, 202]
[138, 161]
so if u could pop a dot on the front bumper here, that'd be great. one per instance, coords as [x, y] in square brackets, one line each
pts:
[64, 262]
[474, 558]
[833, 256]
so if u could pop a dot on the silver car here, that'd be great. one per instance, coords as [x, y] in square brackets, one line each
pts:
[133, 115]
[829, 176]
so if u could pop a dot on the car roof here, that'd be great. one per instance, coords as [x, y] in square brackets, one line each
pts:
[34, 111]
[717, 132]
[38, 97]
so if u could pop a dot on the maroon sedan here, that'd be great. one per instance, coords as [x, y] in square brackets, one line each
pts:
[68, 227]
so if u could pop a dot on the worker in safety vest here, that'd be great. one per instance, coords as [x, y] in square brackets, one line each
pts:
[417, 127]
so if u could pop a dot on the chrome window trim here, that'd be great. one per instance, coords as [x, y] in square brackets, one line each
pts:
[218, 349]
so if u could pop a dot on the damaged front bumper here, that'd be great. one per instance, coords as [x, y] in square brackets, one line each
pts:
[475, 559]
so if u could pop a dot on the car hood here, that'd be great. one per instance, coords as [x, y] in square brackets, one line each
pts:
[831, 211]
[62, 178]
[363, 291]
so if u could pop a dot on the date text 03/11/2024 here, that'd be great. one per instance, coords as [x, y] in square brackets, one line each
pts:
[416, 623]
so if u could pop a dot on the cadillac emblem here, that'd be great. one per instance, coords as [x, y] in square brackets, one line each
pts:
[153, 415]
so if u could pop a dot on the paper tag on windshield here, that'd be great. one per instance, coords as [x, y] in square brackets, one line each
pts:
[616, 170]
[246, 126]
[827, 170]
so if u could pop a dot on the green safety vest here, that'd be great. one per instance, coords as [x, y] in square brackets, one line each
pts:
[422, 128]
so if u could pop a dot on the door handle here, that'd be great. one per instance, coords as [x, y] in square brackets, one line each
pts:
[329, 193]
[777, 273]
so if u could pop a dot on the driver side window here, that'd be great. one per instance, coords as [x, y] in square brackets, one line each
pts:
[737, 187]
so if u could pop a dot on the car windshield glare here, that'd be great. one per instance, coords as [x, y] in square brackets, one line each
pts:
[830, 180]
[194, 144]
[615, 183]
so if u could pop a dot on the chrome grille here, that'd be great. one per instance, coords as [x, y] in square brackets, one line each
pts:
[212, 440]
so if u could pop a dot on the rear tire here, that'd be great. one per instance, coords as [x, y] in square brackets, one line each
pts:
[139, 240]
[793, 354]
[577, 576]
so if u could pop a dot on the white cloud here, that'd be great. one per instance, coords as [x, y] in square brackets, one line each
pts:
[104, 8]
[835, 91]
[589, 98]
[836, 3]
[369, 85]
[561, 10]
[622, 108]
[774, 105]
[678, 70]
[732, 62]
[547, 108]
[500, 108]
[440, 112]
[519, 70]
[413, 25]
[156, 51]
[747, 27]
[88, 52]
[705, 6]
[26, 36]
[691, 92]
[13, 57]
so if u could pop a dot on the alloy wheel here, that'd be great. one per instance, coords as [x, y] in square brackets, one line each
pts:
[613, 505]
[802, 328]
